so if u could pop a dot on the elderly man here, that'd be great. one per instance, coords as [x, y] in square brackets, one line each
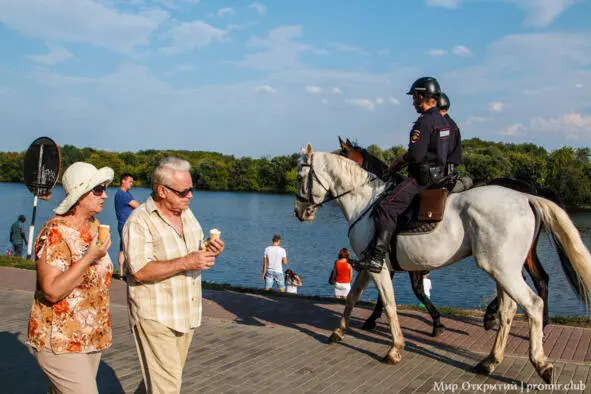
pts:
[162, 244]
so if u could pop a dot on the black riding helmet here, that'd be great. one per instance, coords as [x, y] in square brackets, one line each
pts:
[443, 102]
[426, 86]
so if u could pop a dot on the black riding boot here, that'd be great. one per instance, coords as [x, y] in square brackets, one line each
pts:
[376, 253]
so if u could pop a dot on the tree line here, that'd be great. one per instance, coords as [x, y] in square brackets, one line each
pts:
[565, 171]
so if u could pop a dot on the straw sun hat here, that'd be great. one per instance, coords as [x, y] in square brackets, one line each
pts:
[79, 179]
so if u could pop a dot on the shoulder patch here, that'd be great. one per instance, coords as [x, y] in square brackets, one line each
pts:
[415, 135]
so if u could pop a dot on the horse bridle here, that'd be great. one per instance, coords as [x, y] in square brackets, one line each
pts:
[329, 196]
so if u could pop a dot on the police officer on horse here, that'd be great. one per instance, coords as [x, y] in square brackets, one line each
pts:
[430, 146]
[455, 157]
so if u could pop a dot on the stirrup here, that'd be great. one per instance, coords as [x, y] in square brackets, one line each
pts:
[371, 263]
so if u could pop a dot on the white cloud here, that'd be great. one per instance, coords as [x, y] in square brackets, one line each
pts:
[496, 106]
[281, 50]
[48, 78]
[264, 89]
[366, 104]
[336, 91]
[383, 52]
[578, 86]
[313, 89]
[379, 101]
[514, 129]
[394, 101]
[541, 13]
[340, 47]
[261, 9]
[188, 36]
[225, 11]
[170, 4]
[573, 125]
[437, 52]
[324, 101]
[54, 56]
[472, 120]
[444, 3]
[460, 50]
[179, 68]
[78, 21]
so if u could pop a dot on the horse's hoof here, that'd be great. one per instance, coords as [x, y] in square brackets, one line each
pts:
[390, 360]
[438, 330]
[368, 325]
[484, 367]
[547, 374]
[334, 338]
[489, 322]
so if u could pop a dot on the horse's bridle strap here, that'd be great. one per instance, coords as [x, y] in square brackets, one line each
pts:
[310, 198]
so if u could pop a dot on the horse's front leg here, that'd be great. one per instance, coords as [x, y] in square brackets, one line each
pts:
[370, 323]
[360, 284]
[384, 285]
[416, 279]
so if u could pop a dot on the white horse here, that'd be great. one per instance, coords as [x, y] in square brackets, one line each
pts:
[494, 224]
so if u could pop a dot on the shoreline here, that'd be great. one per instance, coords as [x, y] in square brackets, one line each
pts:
[573, 208]
[577, 321]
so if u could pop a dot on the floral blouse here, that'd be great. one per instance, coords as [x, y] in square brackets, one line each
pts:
[81, 322]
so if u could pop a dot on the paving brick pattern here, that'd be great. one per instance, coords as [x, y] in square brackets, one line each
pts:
[264, 344]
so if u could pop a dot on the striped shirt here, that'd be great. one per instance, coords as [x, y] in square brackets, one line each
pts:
[148, 236]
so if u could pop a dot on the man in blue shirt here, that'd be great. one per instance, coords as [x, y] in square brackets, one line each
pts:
[124, 204]
[17, 236]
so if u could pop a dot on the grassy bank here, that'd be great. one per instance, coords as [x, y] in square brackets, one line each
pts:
[17, 262]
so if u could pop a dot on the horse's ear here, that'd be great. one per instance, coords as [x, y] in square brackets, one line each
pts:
[343, 144]
[349, 144]
[308, 151]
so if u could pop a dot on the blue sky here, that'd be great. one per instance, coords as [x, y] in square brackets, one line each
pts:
[264, 78]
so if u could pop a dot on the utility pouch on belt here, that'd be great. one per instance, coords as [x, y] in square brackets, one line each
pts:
[435, 174]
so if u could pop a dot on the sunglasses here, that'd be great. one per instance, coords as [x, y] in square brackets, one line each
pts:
[182, 193]
[99, 190]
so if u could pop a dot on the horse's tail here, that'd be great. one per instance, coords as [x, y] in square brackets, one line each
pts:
[574, 256]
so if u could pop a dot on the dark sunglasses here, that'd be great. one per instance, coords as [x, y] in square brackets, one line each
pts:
[182, 193]
[99, 190]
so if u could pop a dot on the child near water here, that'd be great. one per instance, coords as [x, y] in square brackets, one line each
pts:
[292, 282]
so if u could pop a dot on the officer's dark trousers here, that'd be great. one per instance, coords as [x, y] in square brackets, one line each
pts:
[397, 201]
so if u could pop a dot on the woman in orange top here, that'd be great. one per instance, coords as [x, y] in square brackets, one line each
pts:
[70, 323]
[343, 273]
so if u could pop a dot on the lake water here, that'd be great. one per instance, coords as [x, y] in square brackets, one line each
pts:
[248, 222]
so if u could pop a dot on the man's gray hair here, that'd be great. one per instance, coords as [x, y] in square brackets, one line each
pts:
[163, 174]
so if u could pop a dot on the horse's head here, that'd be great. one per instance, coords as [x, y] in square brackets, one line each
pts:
[363, 158]
[352, 151]
[311, 192]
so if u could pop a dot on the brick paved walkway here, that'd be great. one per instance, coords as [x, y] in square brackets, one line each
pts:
[252, 343]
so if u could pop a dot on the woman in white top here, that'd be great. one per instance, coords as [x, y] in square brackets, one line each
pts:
[292, 282]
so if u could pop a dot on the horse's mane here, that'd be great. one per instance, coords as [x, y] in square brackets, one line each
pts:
[357, 174]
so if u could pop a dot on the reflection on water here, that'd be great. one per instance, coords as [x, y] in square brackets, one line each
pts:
[248, 222]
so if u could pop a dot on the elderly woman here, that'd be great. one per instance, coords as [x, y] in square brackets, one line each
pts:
[70, 322]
